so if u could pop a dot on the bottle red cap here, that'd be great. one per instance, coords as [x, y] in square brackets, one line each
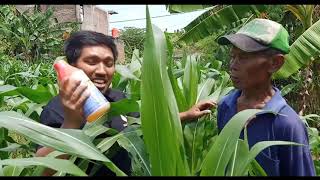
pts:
[61, 68]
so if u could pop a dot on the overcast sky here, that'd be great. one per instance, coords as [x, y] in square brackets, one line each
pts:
[128, 13]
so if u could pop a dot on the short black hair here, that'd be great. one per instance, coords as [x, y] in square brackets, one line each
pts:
[78, 40]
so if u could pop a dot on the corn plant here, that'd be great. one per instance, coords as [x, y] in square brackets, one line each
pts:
[78, 143]
[162, 130]
[127, 77]
[167, 148]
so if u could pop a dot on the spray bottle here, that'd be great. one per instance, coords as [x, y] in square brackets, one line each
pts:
[96, 105]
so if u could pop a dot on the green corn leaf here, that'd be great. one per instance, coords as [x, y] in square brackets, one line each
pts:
[123, 107]
[220, 153]
[56, 164]
[125, 72]
[67, 140]
[131, 141]
[162, 131]
[205, 89]
[181, 100]
[12, 170]
[39, 95]
[190, 80]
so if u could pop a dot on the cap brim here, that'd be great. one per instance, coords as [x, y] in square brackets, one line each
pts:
[243, 42]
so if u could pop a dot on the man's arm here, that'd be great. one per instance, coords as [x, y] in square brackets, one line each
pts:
[72, 95]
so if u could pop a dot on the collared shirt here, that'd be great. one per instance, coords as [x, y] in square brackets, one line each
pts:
[286, 125]
[53, 116]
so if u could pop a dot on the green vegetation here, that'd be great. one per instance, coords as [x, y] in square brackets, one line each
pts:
[169, 77]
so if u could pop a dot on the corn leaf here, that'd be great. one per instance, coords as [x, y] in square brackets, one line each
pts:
[12, 170]
[135, 146]
[39, 95]
[258, 147]
[220, 153]
[239, 159]
[190, 80]
[246, 157]
[125, 72]
[71, 141]
[255, 169]
[67, 140]
[205, 88]
[181, 101]
[194, 134]
[123, 107]
[162, 131]
[56, 164]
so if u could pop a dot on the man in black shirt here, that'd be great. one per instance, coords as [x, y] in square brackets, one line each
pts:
[95, 54]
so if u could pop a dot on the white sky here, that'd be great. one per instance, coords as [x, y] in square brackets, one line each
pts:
[129, 12]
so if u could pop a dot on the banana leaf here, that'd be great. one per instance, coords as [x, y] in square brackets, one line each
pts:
[302, 52]
[185, 8]
[131, 141]
[220, 20]
[220, 153]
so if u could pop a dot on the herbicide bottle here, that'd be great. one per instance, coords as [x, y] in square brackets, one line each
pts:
[96, 104]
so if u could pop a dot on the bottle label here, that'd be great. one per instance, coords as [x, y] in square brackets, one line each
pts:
[96, 100]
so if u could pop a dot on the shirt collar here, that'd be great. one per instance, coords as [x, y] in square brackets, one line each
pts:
[275, 104]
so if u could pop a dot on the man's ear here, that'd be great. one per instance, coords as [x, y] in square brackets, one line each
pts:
[276, 62]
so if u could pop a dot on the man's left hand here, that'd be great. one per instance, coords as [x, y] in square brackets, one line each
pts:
[198, 110]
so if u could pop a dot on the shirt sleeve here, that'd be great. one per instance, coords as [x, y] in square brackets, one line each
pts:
[295, 160]
[50, 117]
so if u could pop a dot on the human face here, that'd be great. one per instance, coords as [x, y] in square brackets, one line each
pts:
[98, 63]
[249, 70]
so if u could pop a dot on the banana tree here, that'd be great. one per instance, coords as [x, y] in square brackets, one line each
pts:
[303, 51]
[32, 35]
[304, 56]
[305, 48]
[217, 20]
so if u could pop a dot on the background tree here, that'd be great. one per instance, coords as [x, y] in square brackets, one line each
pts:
[133, 38]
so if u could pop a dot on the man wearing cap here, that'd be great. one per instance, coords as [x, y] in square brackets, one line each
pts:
[258, 50]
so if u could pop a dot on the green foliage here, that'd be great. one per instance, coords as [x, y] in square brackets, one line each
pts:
[18, 73]
[166, 82]
[159, 112]
[302, 52]
[275, 12]
[133, 38]
[185, 8]
[32, 35]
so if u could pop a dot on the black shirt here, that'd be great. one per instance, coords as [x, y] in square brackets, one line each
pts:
[53, 116]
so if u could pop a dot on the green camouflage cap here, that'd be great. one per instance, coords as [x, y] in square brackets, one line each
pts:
[257, 35]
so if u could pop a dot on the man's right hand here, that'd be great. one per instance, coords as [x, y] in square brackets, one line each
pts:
[73, 94]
